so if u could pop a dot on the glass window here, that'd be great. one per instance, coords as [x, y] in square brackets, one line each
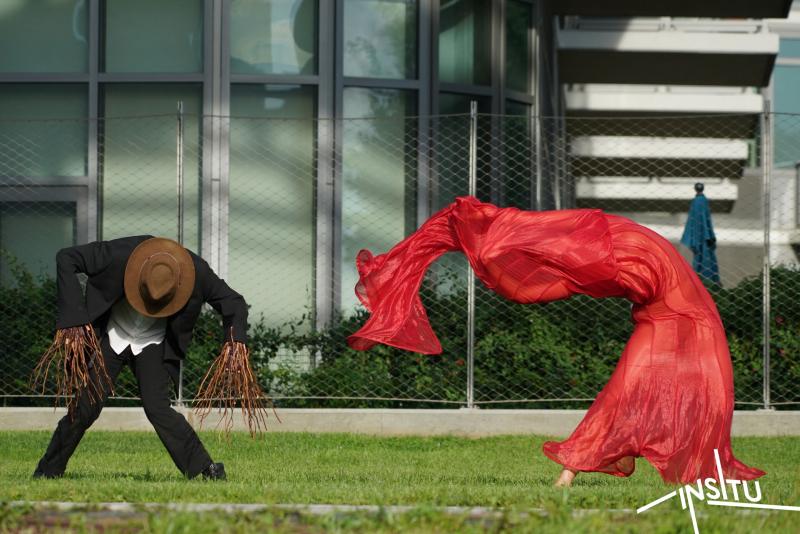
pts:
[518, 46]
[785, 82]
[139, 171]
[453, 135]
[271, 207]
[517, 162]
[33, 147]
[379, 175]
[518, 108]
[789, 48]
[44, 36]
[465, 41]
[380, 38]
[154, 36]
[273, 36]
[452, 103]
[31, 233]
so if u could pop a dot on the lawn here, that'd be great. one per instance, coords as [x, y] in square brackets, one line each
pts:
[508, 472]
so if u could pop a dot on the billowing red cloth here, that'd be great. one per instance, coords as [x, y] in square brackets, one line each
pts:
[670, 399]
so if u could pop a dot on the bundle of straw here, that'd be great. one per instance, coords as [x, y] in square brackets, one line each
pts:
[78, 366]
[230, 380]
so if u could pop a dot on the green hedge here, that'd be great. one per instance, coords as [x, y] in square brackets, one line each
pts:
[562, 350]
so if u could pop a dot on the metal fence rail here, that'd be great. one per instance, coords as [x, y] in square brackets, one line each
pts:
[300, 197]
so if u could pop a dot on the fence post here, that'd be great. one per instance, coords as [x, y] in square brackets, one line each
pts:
[473, 179]
[766, 170]
[180, 192]
[179, 167]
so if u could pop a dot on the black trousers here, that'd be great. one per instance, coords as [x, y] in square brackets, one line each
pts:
[155, 382]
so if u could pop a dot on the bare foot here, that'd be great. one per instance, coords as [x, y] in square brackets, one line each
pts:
[566, 478]
[626, 464]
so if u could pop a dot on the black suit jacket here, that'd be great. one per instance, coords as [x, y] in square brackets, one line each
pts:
[104, 262]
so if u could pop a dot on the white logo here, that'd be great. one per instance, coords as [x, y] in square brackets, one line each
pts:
[716, 492]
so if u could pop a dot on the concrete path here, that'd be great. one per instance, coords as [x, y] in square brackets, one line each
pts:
[398, 422]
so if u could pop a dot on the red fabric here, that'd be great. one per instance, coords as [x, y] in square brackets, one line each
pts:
[670, 399]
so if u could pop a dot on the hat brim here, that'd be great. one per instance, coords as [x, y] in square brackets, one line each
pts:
[185, 284]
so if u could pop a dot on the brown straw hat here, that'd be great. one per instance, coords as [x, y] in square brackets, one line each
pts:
[159, 277]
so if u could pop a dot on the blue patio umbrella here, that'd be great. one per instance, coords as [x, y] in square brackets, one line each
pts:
[699, 237]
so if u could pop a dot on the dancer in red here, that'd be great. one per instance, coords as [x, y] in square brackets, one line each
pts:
[670, 399]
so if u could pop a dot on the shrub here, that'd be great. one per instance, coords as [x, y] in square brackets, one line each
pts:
[561, 350]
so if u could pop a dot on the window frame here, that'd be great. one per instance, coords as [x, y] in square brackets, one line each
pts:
[329, 81]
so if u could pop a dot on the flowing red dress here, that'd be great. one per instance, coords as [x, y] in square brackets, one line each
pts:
[670, 398]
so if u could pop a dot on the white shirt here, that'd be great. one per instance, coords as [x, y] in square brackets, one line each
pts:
[127, 327]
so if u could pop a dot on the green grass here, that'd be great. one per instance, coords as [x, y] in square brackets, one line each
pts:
[509, 472]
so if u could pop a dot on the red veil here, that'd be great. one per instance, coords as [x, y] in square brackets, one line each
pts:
[670, 398]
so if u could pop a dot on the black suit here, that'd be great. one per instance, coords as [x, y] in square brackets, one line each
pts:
[104, 263]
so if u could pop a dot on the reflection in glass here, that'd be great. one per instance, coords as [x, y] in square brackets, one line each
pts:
[518, 46]
[464, 41]
[379, 175]
[154, 36]
[451, 177]
[43, 148]
[273, 36]
[451, 103]
[32, 233]
[44, 36]
[271, 207]
[139, 164]
[380, 38]
[453, 136]
[517, 161]
[789, 47]
[785, 83]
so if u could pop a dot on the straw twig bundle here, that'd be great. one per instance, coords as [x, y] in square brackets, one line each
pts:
[230, 380]
[77, 366]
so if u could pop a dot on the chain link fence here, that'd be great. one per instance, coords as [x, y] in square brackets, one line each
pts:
[280, 207]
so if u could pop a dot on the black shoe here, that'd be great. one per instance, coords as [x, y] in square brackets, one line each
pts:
[215, 471]
[41, 474]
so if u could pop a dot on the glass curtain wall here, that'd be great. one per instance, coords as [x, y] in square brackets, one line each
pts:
[272, 184]
[378, 176]
[138, 161]
[380, 39]
[31, 233]
[34, 146]
[41, 160]
[273, 37]
[519, 26]
[452, 176]
[271, 212]
[517, 186]
[379, 141]
[786, 99]
[153, 36]
[150, 45]
[45, 37]
[284, 64]
[465, 42]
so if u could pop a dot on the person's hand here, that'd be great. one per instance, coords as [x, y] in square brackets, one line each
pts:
[230, 382]
[75, 362]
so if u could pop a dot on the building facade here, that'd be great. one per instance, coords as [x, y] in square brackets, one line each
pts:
[313, 128]
[302, 64]
[664, 95]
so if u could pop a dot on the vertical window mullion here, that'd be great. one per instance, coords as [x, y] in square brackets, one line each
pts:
[325, 242]
[93, 228]
[425, 50]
